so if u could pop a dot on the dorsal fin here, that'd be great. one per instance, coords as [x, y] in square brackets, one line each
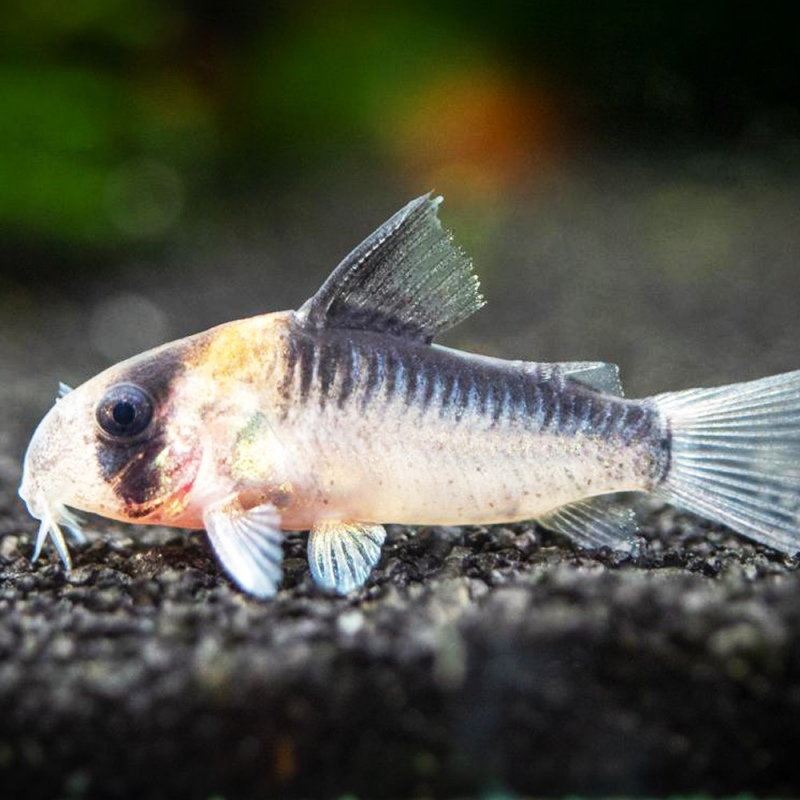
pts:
[407, 279]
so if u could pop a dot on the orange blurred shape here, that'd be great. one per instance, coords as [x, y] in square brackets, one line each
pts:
[475, 132]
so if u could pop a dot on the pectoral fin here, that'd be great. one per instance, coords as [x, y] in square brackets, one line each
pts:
[342, 554]
[248, 543]
[593, 523]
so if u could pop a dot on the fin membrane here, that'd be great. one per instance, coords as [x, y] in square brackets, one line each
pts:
[342, 554]
[735, 457]
[593, 523]
[596, 375]
[407, 279]
[248, 544]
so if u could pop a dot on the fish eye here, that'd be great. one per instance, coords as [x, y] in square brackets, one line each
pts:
[125, 411]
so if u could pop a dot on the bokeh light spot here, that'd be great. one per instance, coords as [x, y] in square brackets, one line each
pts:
[125, 324]
[475, 131]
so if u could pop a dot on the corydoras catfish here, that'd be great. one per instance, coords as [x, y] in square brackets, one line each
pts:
[343, 416]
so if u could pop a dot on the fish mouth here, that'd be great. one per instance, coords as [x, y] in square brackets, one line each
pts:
[53, 518]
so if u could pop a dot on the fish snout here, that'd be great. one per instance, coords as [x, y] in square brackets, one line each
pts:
[55, 462]
[32, 500]
[37, 468]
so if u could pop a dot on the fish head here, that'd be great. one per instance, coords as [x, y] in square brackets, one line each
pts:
[121, 445]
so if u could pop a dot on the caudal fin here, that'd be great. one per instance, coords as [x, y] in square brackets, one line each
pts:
[735, 456]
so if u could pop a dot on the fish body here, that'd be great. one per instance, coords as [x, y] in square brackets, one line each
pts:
[343, 416]
[357, 426]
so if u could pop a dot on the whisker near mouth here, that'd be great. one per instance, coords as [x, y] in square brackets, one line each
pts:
[50, 526]
[72, 522]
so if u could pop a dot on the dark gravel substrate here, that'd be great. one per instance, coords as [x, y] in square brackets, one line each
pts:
[476, 660]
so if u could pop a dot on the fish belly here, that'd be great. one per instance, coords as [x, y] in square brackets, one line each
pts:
[421, 476]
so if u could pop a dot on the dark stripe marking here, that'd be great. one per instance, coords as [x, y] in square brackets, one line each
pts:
[349, 373]
[327, 359]
[305, 364]
[374, 375]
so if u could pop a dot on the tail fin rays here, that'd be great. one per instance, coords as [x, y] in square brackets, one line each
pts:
[735, 457]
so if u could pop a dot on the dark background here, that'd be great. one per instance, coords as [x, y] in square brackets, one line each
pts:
[627, 177]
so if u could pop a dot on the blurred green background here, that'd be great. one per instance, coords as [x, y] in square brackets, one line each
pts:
[122, 122]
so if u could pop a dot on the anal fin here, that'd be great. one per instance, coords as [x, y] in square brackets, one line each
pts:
[248, 543]
[596, 522]
[342, 554]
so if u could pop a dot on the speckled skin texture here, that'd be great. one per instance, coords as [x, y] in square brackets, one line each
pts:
[475, 659]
